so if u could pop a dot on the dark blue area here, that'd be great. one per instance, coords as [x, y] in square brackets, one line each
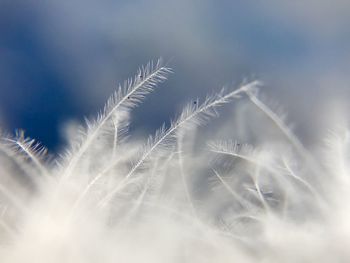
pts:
[32, 93]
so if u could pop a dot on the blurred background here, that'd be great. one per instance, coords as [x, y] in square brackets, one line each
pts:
[60, 60]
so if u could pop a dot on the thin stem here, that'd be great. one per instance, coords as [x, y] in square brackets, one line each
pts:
[171, 130]
[77, 156]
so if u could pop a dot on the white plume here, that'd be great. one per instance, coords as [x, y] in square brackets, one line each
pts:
[110, 198]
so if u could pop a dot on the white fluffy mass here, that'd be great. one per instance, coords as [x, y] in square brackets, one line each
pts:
[177, 197]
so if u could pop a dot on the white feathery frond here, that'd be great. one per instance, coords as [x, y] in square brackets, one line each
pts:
[236, 149]
[33, 150]
[278, 120]
[135, 197]
[245, 203]
[304, 182]
[191, 114]
[125, 98]
[18, 158]
[115, 137]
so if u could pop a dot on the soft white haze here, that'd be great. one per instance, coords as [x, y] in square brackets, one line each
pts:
[183, 195]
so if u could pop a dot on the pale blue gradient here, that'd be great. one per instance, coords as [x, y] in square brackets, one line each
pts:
[60, 60]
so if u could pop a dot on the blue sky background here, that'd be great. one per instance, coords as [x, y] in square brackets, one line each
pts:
[60, 60]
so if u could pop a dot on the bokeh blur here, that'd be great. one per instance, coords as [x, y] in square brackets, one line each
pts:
[60, 60]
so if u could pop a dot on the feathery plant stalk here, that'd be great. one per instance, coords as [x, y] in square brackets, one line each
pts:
[125, 98]
[285, 130]
[34, 151]
[112, 198]
[197, 115]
